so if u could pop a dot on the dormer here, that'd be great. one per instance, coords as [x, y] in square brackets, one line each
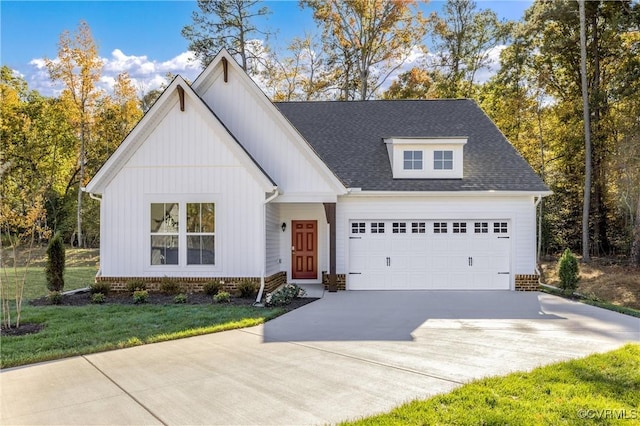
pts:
[426, 158]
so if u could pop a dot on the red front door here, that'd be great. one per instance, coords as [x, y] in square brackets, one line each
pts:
[304, 249]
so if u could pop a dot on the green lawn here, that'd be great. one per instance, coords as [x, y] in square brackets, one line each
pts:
[599, 389]
[74, 330]
[36, 283]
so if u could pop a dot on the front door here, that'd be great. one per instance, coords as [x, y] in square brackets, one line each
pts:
[304, 249]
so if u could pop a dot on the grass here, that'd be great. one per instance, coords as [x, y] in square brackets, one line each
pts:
[598, 389]
[36, 283]
[76, 330]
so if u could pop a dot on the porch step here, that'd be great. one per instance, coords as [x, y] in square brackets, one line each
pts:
[313, 290]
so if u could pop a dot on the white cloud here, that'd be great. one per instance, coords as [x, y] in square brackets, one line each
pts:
[146, 74]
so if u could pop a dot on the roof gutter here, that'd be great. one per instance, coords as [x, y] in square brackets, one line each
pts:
[272, 197]
[358, 192]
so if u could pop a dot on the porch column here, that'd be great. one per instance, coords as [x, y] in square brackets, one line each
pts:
[330, 212]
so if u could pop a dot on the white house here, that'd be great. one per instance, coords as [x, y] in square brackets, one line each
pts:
[217, 182]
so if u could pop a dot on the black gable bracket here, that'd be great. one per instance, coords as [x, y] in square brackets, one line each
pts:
[225, 69]
[181, 95]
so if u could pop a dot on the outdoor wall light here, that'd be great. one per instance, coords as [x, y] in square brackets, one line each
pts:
[284, 226]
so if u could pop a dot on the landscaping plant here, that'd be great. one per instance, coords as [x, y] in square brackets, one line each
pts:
[247, 289]
[284, 295]
[103, 288]
[98, 298]
[135, 285]
[568, 272]
[211, 288]
[140, 296]
[54, 298]
[180, 298]
[222, 297]
[55, 263]
[169, 286]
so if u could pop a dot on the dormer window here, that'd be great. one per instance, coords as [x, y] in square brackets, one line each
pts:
[443, 160]
[413, 160]
[426, 158]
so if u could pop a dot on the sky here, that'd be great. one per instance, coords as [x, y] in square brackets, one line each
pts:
[142, 37]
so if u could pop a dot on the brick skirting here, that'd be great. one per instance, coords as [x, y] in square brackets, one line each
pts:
[527, 282]
[341, 281]
[196, 284]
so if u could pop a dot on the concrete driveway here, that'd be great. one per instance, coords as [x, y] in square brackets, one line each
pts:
[347, 355]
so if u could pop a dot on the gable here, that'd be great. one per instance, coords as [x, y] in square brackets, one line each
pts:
[179, 131]
[354, 148]
[275, 144]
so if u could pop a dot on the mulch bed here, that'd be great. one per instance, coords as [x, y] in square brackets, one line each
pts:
[84, 298]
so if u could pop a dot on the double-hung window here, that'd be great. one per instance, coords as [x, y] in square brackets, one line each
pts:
[182, 233]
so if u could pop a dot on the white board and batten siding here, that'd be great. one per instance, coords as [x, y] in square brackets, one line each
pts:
[271, 140]
[430, 260]
[184, 159]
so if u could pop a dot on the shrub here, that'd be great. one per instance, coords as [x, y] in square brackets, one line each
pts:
[54, 298]
[135, 285]
[100, 287]
[140, 296]
[284, 295]
[247, 289]
[180, 298]
[222, 297]
[98, 298]
[211, 288]
[55, 264]
[169, 286]
[568, 272]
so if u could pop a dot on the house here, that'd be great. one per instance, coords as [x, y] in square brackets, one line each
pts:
[216, 182]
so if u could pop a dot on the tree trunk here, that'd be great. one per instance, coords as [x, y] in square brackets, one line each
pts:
[587, 136]
[635, 248]
[80, 180]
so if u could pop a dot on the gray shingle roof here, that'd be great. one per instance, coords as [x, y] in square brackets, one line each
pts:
[348, 136]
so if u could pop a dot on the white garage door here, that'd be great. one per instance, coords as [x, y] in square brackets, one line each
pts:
[429, 254]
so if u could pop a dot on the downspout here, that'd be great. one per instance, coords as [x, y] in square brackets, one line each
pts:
[93, 197]
[276, 193]
[539, 239]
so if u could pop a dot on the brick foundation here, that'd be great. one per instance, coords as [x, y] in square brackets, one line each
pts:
[527, 282]
[341, 281]
[195, 284]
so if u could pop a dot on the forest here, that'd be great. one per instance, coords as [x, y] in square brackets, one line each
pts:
[565, 93]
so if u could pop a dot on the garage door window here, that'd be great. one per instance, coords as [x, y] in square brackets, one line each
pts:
[481, 228]
[459, 227]
[418, 227]
[500, 228]
[399, 228]
[377, 228]
[440, 228]
[358, 228]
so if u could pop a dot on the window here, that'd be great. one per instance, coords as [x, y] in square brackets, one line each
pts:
[182, 233]
[418, 227]
[358, 228]
[481, 227]
[165, 219]
[399, 228]
[459, 228]
[443, 160]
[413, 160]
[440, 228]
[201, 223]
[377, 228]
[500, 228]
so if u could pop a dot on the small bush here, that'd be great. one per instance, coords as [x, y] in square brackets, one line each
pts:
[135, 285]
[211, 288]
[247, 289]
[98, 298]
[100, 287]
[180, 298]
[284, 295]
[169, 286]
[54, 298]
[54, 270]
[140, 296]
[222, 297]
[568, 272]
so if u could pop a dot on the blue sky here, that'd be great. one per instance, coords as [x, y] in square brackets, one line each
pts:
[141, 37]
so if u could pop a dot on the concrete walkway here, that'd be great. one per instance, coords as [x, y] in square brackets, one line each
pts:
[347, 355]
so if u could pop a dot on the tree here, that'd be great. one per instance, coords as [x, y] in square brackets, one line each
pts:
[463, 40]
[587, 134]
[368, 40]
[417, 83]
[78, 67]
[224, 23]
[54, 269]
